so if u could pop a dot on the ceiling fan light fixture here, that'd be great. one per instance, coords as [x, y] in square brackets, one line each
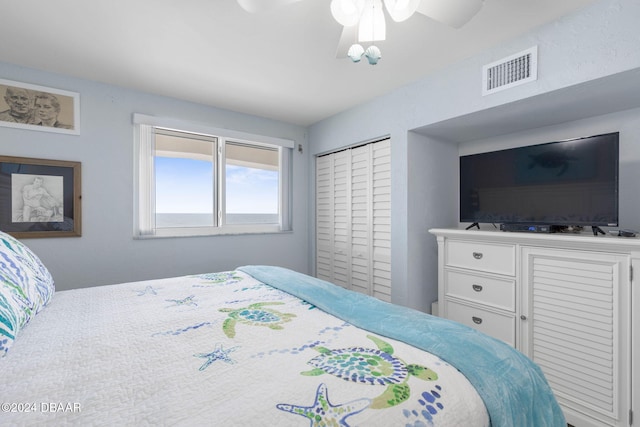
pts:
[355, 52]
[347, 12]
[364, 20]
[372, 24]
[401, 10]
[373, 54]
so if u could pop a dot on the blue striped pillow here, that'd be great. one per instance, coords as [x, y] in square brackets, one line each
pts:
[26, 286]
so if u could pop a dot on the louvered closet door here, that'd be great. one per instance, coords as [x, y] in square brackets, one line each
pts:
[324, 218]
[333, 218]
[381, 219]
[342, 218]
[361, 219]
[575, 306]
[353, 225]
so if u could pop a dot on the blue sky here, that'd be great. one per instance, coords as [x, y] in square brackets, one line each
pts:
[186, 186]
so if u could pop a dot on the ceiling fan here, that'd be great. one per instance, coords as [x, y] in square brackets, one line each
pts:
[364, 20]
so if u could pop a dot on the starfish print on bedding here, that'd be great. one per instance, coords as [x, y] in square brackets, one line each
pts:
[323, 413]
[185, 301]
[148, 290]
[218, 354]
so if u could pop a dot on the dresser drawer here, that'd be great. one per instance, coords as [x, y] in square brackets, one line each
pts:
[489, 257]
[494, 291]
[500, 326]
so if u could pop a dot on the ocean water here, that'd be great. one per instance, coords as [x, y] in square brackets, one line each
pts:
[169, 220]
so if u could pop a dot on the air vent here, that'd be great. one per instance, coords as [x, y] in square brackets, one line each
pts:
[511, 71]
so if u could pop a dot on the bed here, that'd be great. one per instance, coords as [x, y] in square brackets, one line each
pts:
[259, 345]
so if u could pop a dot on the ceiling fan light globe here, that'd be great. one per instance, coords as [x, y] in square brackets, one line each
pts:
[373, 54]
[347, 12]
[401, 10]
[355, 52]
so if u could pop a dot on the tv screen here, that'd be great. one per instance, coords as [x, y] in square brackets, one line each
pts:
[565, 183]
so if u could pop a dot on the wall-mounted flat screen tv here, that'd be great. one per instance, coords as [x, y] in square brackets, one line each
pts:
[565, 183]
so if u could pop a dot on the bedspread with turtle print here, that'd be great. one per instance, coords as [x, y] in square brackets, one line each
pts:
[222, 349]
[513, 388]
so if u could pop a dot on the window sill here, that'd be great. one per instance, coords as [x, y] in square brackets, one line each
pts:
[239, 230]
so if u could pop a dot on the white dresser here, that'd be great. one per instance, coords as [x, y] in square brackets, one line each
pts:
[565, 300]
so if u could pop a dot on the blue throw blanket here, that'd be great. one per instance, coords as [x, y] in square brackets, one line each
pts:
[513, 388]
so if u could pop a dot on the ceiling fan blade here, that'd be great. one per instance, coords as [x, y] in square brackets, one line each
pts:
[255, 6]
[401, 11]
[455, 13]
[348, 37]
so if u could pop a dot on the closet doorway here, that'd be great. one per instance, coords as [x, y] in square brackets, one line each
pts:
[353, 218]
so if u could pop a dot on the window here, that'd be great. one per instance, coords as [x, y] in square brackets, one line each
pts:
[192, 180]
[251, 184]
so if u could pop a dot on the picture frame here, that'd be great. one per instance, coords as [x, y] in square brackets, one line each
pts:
[39, 108]
[40, 197]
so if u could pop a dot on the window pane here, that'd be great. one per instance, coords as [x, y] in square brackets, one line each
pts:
[252, 184]
[184, 173]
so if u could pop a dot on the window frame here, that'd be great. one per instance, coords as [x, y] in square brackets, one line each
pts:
[144, 179]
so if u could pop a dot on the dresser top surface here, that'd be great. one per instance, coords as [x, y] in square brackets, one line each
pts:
[582, 240]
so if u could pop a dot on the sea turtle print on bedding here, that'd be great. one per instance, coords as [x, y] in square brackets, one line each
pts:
[254, 315]
[225, 277]
[373, 367]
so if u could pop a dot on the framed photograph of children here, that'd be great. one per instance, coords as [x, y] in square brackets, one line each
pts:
[40, 108]
[40, 198]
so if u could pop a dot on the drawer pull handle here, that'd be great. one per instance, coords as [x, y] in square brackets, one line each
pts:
[477, 255]
[477, 288]
[476, 320]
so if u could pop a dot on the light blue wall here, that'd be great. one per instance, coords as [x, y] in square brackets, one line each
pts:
[594, 44]
[107, 253]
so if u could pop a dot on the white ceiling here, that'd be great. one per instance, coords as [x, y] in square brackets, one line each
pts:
[278, 64]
